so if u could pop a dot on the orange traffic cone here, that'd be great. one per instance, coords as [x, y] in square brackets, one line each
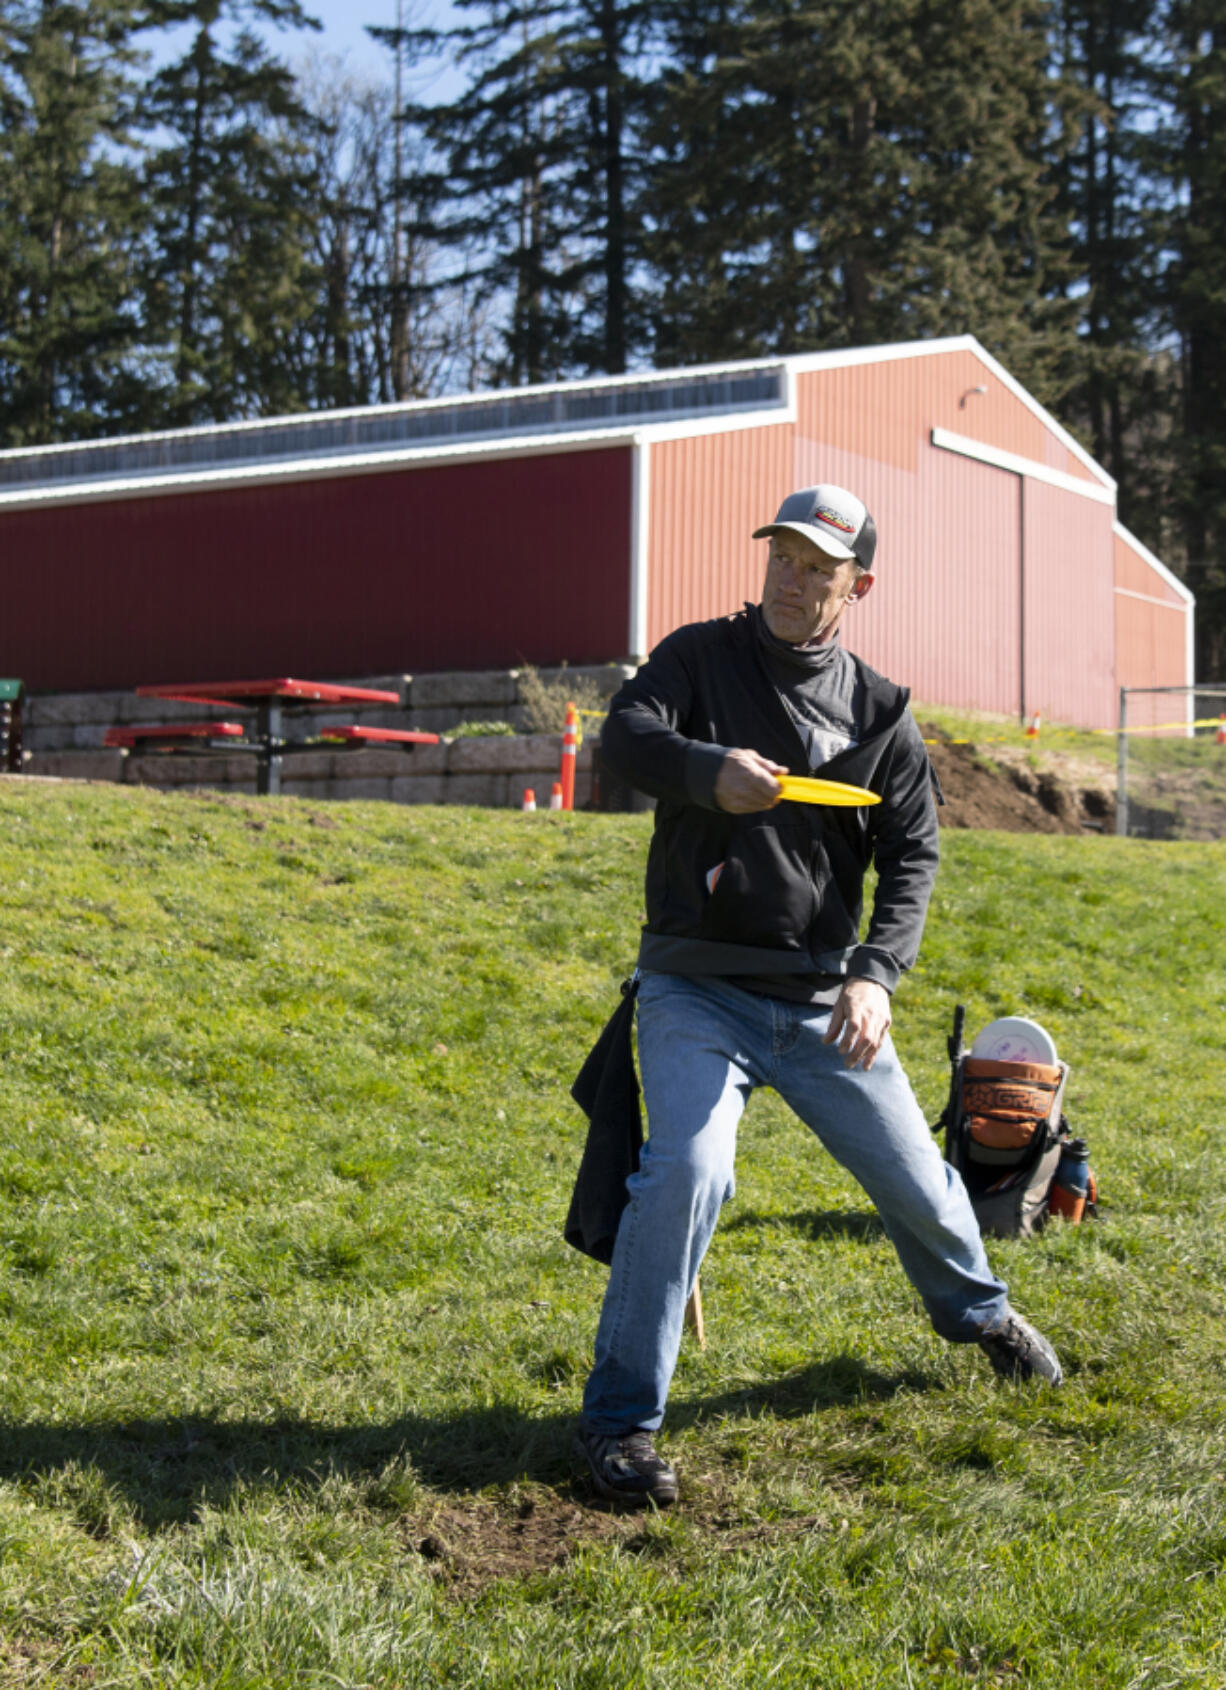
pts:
[1033, 726]
[555, 797]
[570, 750]
[529, 799]
[1219, 737]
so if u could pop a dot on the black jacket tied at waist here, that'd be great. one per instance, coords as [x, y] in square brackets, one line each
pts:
[607, 1090]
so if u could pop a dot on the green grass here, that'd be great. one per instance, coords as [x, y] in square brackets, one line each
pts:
[1177, 787]
[290, 1346]
[987, 730]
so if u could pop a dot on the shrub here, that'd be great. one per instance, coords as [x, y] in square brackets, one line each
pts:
[544, 702]
[476, 730]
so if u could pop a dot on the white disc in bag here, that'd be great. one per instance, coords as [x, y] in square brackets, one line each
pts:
[1015, 1039]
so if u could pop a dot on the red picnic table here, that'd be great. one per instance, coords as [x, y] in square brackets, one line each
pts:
[269, 700]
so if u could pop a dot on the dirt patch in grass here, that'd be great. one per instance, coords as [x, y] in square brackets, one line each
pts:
[1004, 791]
[472, 1545]
[35, 1660]
[1175, 790]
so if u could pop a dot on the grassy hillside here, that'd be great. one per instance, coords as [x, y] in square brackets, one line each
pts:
[290, 1346]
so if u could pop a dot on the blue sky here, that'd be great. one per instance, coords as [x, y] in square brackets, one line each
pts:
[343, 34]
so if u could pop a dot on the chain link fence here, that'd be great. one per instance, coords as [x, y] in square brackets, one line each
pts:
[1171, 769]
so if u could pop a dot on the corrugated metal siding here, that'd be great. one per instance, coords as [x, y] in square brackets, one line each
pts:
[481, 563]
[1135, 575]
[1149, 643]
[1150, 637]
[1070, 607]
[885, 410]
[942, 617]
[708, 494]
[448, 567]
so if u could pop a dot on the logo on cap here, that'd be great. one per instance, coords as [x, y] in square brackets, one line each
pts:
[835, 520]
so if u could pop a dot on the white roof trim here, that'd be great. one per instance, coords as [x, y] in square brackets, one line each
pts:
[1159, 568]
[795, 363]
[1045, 417]
[145, 483]
[1152, 598]
[773, 415]
[947, 441]
[846, 357]
[935, 348]
[640, 549]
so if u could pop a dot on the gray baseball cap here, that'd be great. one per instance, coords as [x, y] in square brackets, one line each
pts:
[834, 519]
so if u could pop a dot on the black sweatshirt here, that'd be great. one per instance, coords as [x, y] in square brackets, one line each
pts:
[779, 892]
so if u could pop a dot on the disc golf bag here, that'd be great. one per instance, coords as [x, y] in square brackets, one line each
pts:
[1004, 1131]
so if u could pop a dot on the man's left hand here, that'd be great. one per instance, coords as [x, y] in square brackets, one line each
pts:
[859, 1022]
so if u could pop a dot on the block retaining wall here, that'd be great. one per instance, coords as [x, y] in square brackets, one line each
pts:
[64, 736]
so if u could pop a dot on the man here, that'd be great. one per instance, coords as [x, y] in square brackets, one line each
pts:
[751, 971]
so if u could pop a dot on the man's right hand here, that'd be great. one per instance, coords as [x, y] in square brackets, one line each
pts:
[746, 782]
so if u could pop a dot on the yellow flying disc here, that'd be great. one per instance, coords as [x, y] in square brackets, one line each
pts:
[803, 790]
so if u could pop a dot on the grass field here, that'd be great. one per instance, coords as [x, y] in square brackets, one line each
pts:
[989, 731]
[290, 1345]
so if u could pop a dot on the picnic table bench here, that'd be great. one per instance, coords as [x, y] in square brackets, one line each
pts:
[265, 739]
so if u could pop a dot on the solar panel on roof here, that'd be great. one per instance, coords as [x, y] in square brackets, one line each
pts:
[328, 435]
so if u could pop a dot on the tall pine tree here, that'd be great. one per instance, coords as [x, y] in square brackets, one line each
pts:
[1197, 157]
[840, 176]
[228, 279]
[68, 211]
[1113, 197]
[534, 178]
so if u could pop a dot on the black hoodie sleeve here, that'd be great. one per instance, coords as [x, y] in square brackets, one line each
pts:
[905, 852]
[644, 740]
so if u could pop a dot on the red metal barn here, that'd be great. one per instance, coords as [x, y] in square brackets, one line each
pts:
[582, 521]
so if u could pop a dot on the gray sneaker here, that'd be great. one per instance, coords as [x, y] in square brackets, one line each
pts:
[1017, 1351]
[626, 1468]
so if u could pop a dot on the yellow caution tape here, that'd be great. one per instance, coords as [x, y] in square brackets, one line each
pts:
[1073, 733]
[1012, 739]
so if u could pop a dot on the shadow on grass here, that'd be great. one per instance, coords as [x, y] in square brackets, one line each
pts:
[814, 1223]
[836, 1383]
[166, 1470]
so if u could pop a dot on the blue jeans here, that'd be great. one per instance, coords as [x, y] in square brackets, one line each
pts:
[704, 1045]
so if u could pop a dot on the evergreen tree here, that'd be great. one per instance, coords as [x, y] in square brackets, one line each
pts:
[228, 277]
[1196, 72]
[67, 213]
[602, 65]
[834, 176]
[533, 182]
[1118, 212]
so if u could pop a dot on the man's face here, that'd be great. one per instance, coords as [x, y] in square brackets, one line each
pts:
[806, 593]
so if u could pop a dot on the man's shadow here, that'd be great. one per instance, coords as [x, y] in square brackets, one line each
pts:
[167, 1469]
[818, 1224]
